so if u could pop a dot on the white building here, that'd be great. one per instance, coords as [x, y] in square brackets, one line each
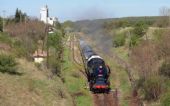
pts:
[44, 16]
[52, 20]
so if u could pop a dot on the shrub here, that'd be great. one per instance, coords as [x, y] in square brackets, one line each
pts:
[134, 40]
[165, 69]
[165, 100]
[119, 40]
[55, 59]
[158, 34]
[7, 64]
[152, 88]
[140, 28]
[54, 64]
[5, 38]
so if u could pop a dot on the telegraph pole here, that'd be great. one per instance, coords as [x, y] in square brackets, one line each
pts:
[3, 21]
[46, 42]
[20, 17]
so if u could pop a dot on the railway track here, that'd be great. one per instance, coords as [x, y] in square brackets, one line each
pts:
[102, 99]
[135, 99]
[110, 99]
[105, 99]
[75, 54]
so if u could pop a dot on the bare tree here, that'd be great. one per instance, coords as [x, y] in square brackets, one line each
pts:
[164, 21]
[144, 59]
[164, 11]
[28, 33]
[164, 46]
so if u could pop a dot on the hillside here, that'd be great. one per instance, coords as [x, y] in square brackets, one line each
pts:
[100, 22]
[32, 87]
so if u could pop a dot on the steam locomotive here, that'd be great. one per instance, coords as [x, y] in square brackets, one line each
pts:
[96, 70]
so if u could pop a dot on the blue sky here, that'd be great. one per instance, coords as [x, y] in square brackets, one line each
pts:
[86, 9]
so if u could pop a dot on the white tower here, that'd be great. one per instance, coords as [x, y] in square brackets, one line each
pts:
[44, 14]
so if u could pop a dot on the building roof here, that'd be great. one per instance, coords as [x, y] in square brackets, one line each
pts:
[40, 53]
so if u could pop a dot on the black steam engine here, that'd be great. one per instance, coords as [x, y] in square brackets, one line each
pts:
[96, 70]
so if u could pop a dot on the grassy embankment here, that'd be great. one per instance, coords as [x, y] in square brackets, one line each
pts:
[32, 86]
[119, 80]
[154, 34]
[75, 81]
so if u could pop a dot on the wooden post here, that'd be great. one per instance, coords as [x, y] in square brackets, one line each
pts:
[3, 21]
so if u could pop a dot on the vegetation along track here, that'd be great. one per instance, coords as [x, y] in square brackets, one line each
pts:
[76, 56]
[100, 99]
[135, 100]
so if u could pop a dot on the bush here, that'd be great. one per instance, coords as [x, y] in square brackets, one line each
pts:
[140, 28]
[165, 100]
[55, 59]
[152, 88]
[119, 40]
[134, 40]
[5, 38]
[165, 69]
[7, 64]
[20, 50]
[55, 65]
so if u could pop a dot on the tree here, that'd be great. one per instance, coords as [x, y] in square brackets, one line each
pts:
[140, 28]
[134, 39]
[146, 63]
[1, 24]
[68, 24]
[55, 59]
[20, 16]
[164, 46]
[119, 40]
[7, 64]
[17, 15]
[27, 34]
[144, 58]
[164, 20]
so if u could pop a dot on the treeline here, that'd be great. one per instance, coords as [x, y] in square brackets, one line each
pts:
[19, 17]
[134, 35]
[130, 22]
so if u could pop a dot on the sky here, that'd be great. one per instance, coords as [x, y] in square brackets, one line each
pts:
[85, 9]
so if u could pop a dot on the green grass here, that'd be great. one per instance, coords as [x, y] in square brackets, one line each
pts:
[119, 79]
[5, 38]
[122, 52]
[75, 85]
[83, 101]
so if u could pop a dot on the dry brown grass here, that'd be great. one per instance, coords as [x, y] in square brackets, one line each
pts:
[144, 59]
[32, 88]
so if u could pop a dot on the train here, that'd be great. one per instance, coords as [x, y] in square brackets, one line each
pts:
[96, 70]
